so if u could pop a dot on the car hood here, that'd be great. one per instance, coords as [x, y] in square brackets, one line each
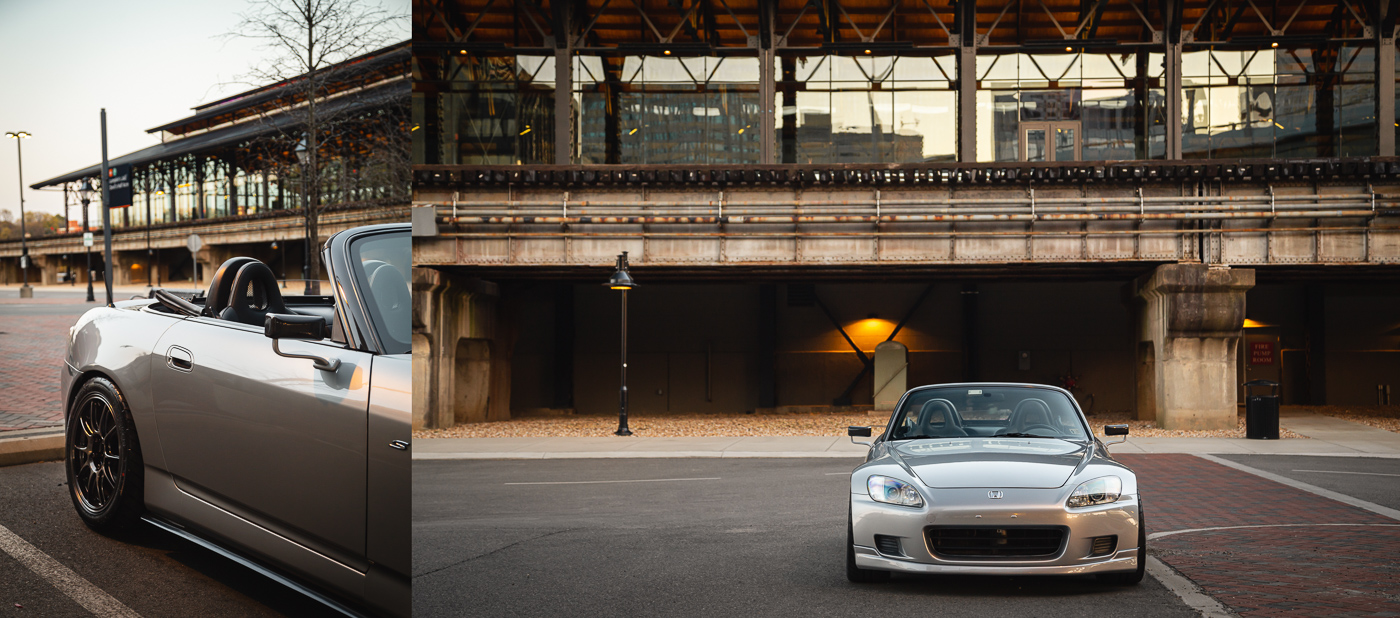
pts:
[1033, 463]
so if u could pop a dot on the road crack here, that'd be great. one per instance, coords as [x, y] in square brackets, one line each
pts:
[494, 551]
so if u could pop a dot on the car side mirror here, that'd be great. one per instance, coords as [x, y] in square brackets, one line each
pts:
[1115, 430]
[858, 432]
[288, 326]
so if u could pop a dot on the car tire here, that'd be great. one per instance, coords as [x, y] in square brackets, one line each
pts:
[854, 573]
[1132, 578]
[102, 455]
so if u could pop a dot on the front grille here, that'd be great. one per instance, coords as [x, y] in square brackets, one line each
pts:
[992, 542]
[888, 545]
[1104, 545]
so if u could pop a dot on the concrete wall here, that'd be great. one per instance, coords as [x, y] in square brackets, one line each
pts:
[696, 348]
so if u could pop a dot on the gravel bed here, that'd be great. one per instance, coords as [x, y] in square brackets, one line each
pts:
[743, 425]
[1149, 429]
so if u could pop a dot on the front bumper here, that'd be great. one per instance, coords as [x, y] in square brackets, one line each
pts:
[1019, 507]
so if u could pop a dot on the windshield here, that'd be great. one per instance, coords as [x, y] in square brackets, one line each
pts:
[381, 264]
[958, 412]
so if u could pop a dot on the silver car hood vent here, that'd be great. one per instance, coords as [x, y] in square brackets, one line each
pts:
[1033, 463]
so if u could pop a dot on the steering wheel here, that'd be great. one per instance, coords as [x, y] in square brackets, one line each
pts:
[1028, 428]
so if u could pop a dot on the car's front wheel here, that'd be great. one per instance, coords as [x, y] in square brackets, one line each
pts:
[853, 572]
[103, 458]
[1132, 578]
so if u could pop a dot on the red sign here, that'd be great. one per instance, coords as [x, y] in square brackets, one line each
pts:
[1261, 353]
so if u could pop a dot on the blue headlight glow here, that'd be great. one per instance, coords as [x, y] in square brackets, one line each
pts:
[893, 491]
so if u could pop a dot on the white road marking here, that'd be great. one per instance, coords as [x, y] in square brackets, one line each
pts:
[1189, 592]
[1158, 535]
[1341, 472]
[64, 579]
[1331, 495]
[708, 478]
[838, 474]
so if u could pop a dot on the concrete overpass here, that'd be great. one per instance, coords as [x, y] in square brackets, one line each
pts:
[1132, 275]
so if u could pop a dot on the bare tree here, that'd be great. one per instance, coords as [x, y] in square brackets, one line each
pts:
[303, 38]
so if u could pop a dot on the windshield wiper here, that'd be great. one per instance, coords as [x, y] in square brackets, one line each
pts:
[1019, 435]
[923, 437]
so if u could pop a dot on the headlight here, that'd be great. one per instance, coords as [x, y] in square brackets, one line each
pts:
[893, 491]
[1102, 490]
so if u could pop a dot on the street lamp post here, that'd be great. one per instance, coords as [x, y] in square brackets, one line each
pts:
[85, 191]
[24, 291]
[304, 157]
[622, 280]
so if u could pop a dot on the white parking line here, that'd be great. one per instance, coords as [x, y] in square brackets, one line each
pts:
[1341, 472]
[1326, 493]
[1193, 595]
[708, 478]
[64, 579]
[838, 474]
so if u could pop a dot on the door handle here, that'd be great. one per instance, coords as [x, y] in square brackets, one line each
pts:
[399, 444]
[179, 359]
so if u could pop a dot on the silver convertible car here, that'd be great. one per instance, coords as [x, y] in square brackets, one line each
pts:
[994, 479]
[274, 431]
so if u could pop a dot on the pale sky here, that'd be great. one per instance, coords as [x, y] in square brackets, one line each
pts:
[147, 61]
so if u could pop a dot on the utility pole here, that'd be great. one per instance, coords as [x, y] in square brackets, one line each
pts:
[24, 291]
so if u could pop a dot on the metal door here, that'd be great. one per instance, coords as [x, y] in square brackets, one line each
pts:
[271, 439]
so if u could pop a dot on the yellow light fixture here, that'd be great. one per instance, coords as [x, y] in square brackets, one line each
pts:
[867, 52]
[632, 132]
[1248, 323]
[527, 130]
[667, 52]
[1069, 49]
[1274, 44]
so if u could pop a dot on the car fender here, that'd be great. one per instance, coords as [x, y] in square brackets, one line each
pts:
[119, 343]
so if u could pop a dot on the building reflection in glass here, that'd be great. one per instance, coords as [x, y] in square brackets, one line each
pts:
[1070, 107]
[866, 109]
[667, 109]
[1278, 102]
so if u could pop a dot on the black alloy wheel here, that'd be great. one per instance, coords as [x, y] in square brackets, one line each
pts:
[103, 458]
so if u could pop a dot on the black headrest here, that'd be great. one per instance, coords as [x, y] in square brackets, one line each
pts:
[219, 287]
[253, 295]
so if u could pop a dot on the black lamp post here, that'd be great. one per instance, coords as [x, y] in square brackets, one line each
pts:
[24, 291]
[85, 191]
[622, 280]
[304, 157]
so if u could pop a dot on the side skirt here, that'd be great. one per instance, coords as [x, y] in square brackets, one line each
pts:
[258, 568]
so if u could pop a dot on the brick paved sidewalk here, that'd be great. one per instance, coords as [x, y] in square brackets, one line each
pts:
[1276, 571]
[31, 357]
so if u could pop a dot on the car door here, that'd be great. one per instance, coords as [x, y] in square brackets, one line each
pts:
[271, 439]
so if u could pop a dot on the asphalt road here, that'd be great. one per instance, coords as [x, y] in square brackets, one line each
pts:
[754, 537]
[1372, 479]
[149, 571]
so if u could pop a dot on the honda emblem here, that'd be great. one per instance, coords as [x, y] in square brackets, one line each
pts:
[994, 494]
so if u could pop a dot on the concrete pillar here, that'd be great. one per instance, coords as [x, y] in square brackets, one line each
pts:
[453, 377]
[1191, 326]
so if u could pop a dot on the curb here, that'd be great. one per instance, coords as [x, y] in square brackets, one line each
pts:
[639, 455]
[31, 445]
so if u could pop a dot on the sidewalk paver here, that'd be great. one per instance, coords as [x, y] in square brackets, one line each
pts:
[31, 357]
[1334, 559]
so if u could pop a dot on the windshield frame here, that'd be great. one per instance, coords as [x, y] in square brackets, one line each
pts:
[900, 407]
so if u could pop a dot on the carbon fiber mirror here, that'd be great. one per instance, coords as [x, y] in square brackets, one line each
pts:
[1115, 430]
[858, 432]
[288, 326]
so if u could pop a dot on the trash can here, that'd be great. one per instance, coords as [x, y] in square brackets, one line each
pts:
[1261, 411]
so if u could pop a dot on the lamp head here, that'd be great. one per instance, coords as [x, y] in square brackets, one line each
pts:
[302, 155]
[17, 134]
[621, 279]
[85, 190]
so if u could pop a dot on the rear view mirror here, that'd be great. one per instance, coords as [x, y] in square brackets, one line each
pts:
[858, 432]
[288, 326]
[1115, 430]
